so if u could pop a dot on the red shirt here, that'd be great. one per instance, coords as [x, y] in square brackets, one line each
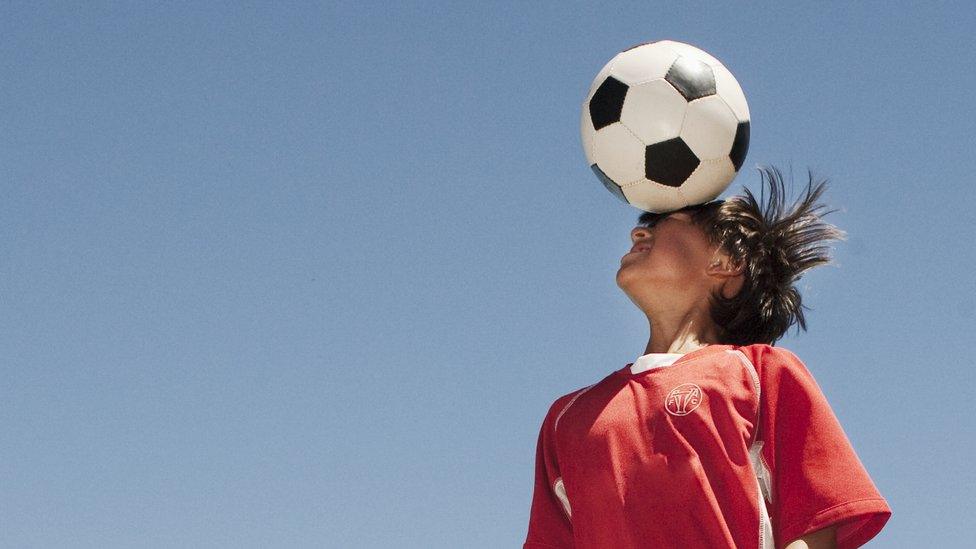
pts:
[728, 447]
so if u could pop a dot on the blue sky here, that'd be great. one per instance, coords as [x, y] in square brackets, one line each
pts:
[311, 276]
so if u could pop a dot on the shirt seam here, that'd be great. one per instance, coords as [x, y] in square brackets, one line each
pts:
[818, 514]
[572, 401]
[753, 374]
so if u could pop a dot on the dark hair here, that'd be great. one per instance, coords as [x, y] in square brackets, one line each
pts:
[775, 244]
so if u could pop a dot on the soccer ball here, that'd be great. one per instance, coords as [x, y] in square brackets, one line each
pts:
[665, 125]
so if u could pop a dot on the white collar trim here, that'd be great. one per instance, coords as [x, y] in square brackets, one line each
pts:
[654, 360]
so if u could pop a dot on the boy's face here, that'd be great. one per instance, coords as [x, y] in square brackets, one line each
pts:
[668, 264]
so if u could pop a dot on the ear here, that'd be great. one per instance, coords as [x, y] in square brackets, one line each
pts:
[722, 265]
[729, 273]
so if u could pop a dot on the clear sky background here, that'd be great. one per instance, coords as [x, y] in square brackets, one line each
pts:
[291, 276]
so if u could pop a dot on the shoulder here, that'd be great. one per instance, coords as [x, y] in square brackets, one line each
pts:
[566, 401]
[782, 373]
[770, 359]
[780, 367]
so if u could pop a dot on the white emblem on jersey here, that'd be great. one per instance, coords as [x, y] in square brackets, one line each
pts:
[560, 489]
[683, 399]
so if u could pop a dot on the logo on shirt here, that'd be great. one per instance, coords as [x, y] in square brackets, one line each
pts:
[683, 399]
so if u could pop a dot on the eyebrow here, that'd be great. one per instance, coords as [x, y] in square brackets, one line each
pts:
[648, 219]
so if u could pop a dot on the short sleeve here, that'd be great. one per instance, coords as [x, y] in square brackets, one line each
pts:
[549, 518]
[817, 479]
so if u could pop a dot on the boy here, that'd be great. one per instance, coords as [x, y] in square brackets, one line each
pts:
[713, 437]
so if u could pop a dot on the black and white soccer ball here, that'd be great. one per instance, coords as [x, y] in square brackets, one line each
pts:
[665, 125]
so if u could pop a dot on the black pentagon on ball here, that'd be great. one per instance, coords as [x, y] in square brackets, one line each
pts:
[669, 162]
[692, 78]
[607, 102]
[609, 184]
[740, 145]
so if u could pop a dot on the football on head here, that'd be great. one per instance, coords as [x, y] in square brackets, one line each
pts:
[665, 125]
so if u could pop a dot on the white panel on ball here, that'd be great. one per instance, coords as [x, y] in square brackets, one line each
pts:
[642, 64]
[619, 154]
[727, 87]
[708, 180]
[653, 197]
[586, 134]
[687, 50]
[709, 127]
[654, 111]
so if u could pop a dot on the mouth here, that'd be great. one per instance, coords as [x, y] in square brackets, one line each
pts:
[634, 253]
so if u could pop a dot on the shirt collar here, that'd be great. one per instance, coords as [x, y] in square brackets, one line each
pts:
[654, 360]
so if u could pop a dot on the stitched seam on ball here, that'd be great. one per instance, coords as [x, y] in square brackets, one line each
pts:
[684, 115]
[684, 199]
[630, 131]
[639, 140]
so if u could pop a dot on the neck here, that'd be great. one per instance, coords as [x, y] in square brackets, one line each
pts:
[680, 334]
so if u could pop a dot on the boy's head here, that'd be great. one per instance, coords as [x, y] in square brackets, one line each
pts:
[736, 261]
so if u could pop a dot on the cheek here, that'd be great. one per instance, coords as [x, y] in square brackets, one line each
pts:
[680, 256]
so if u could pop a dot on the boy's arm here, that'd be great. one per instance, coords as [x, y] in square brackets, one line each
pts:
[821, 539]
[818, 481]
[550, 526]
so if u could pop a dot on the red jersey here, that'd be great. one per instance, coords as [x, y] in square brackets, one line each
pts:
[729, 446]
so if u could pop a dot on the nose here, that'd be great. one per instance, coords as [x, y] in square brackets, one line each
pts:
[638, 233]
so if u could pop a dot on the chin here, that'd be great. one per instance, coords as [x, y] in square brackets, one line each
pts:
[620, 277]
[628, 279]
[632, 271]
[635, 282]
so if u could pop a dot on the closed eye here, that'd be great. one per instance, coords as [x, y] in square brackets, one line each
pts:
[649, 220]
